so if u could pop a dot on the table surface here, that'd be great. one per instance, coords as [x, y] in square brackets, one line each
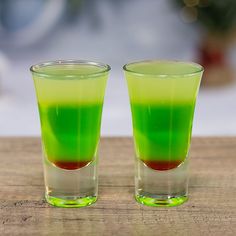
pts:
[210, 210]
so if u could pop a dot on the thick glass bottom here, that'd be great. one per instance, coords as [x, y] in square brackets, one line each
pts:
[71, 188]
[71, 202]
[161, 201]
[165, 188]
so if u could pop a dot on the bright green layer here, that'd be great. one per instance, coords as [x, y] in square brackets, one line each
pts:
[162, 96]
[70, 133]
[162, 132]
[70, 99]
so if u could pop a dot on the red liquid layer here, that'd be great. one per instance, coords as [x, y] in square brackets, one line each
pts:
[71, 165]
[162, 165]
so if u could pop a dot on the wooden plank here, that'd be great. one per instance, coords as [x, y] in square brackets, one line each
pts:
[211, 209]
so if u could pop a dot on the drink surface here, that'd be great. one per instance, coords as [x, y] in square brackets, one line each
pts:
[70, 100]
[162, 97]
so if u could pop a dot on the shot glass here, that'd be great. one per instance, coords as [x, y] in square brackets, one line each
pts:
[162, 98]
[70, 97]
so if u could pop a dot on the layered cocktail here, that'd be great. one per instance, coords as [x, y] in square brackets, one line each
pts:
[162, 97]
[70, 99]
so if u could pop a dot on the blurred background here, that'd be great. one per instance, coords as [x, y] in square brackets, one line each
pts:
[117, 32]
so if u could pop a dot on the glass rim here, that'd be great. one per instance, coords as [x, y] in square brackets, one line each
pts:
[36, 67]
[199, 68]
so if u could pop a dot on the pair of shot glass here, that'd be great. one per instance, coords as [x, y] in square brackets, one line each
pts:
[70, 98]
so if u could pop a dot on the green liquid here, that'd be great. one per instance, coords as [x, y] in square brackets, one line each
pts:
[70, 133]
[162, 133]
[162, 97]
[70, 99]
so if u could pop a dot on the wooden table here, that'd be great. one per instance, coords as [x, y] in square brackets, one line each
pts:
[211, 209]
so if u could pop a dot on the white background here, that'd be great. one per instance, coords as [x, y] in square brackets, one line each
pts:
[144, 30]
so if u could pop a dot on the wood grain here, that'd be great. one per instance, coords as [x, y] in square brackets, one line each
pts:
[211, 209]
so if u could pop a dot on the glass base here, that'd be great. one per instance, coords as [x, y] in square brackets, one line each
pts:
[70, 202]
[71, 188]
[161, 188]
[161, 201]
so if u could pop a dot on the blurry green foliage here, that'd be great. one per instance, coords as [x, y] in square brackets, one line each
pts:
[218, 16]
